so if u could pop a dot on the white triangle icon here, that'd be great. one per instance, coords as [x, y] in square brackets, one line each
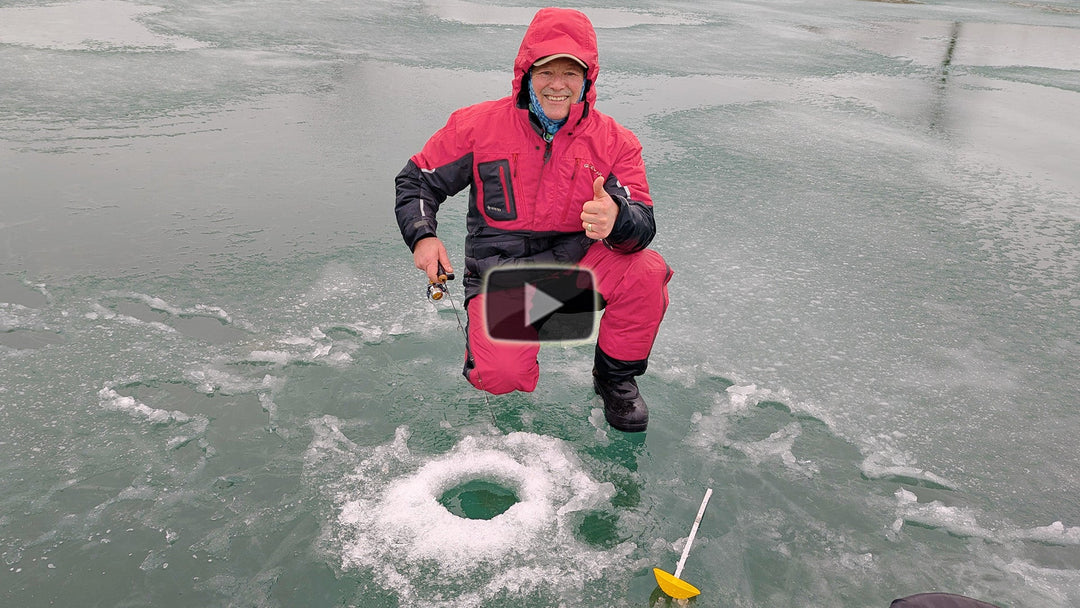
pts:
[538, 304]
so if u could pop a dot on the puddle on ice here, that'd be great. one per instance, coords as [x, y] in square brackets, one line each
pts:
[392, 523]
[972, 44]
[87, 25]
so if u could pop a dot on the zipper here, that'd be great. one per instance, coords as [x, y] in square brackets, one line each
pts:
[511, 206]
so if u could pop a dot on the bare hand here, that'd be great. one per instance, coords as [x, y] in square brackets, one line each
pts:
[428, 254]
[598, 215]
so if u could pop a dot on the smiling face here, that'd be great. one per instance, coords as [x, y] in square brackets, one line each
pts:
[558, 85]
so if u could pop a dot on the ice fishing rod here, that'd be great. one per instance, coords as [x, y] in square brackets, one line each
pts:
[437, 290]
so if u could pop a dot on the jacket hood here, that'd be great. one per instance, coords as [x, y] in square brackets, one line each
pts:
[558, 30]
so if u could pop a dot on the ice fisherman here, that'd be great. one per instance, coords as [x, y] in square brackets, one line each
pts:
[551, 180]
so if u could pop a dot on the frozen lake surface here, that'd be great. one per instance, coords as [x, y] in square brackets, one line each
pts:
[221, 384]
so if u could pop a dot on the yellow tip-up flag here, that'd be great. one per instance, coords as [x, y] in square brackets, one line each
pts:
[671, 584]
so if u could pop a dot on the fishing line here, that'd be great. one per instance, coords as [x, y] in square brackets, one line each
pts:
[436, 290]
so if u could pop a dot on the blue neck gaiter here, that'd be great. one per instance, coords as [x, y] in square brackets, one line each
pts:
[550, 126]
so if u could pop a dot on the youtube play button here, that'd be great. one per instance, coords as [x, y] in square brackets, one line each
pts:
[540, 303]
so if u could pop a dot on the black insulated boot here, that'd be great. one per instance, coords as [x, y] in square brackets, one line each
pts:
[613, 379]
[624, 408]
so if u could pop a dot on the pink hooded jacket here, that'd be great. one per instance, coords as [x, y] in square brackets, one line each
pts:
[525, 194]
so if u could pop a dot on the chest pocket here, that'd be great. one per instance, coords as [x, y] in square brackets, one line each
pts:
[498, 190]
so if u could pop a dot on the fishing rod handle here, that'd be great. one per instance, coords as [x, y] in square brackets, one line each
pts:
[443, 275]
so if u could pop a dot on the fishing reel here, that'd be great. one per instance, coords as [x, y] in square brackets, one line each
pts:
[437, 289]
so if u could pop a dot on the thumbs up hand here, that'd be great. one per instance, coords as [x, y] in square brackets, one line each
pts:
[598, 215]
